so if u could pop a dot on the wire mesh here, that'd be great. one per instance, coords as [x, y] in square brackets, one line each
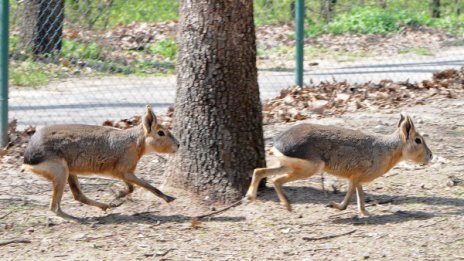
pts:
[88, 61]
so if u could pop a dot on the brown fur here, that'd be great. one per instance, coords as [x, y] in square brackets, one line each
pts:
[307, 149]
[61, 152]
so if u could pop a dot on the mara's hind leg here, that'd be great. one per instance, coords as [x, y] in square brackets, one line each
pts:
[258, 175]
[79, 195]
[129, 189]
[360, 198]
[346, 200]
[57, 172]
[301, 170]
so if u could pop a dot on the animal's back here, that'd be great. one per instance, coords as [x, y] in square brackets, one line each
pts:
[79, 145]
[341, 149]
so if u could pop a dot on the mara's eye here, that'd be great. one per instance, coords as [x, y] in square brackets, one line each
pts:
[418, 141]
[161, 133]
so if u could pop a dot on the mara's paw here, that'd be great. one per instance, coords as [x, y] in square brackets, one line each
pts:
[334, 205]
[287, 205]
[250, 197]
[169, 199]
[364, 214]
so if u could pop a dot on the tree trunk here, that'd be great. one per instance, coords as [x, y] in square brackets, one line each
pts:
[218, 113]
[292, 9]
[383, 4]
[327, 8]
[41, 25]
[361, 2]
[436, 8]
[457, 7]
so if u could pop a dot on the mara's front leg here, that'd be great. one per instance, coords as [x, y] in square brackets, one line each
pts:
[346, 200]
[361, 201]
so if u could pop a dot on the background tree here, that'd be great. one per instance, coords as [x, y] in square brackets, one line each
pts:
[383, 4]
[41, 25]
[327, 8]
[435, 8]
[218, 114]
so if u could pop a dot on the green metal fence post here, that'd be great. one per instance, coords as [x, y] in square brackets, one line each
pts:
[4, 73]
[299, 52]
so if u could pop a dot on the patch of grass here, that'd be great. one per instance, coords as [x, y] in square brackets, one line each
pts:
[28, 73]
[423, 51]
[102, 15]
[77, 58]
[452, 24]
[97, 58]
[375, 20]
[370, 20]
[272, 11]
[167, 48]
[79, 50]
[12, 43]
[108, 14]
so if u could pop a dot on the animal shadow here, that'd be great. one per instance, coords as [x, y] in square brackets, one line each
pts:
[151, 218]
[310, 195]
[396, 217]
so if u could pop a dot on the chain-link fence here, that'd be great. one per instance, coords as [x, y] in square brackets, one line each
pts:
[88, 61]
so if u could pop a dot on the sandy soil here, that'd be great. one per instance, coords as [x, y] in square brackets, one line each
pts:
[418, 212]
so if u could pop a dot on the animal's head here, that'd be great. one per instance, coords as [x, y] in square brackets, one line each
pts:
[415, 148]
[157, 138]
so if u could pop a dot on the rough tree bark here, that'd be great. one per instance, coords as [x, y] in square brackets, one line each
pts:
[41, 25]
[218, 114]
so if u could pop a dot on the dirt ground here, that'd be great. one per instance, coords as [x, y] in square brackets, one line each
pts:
[418, 212]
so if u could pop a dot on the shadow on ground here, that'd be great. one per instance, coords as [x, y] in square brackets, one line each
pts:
[309, 195]
[393, 218]
[148, 218]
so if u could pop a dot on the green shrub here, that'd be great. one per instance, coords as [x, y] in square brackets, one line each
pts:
[364, 21]
[453, 24]
[369, 20]
[166, 48]
[79, 50]
[28, 73]
[108, 14]
[272, 11]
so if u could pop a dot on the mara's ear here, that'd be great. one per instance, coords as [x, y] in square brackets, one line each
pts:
[401, 119]
[149, 120]
[407, 127]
